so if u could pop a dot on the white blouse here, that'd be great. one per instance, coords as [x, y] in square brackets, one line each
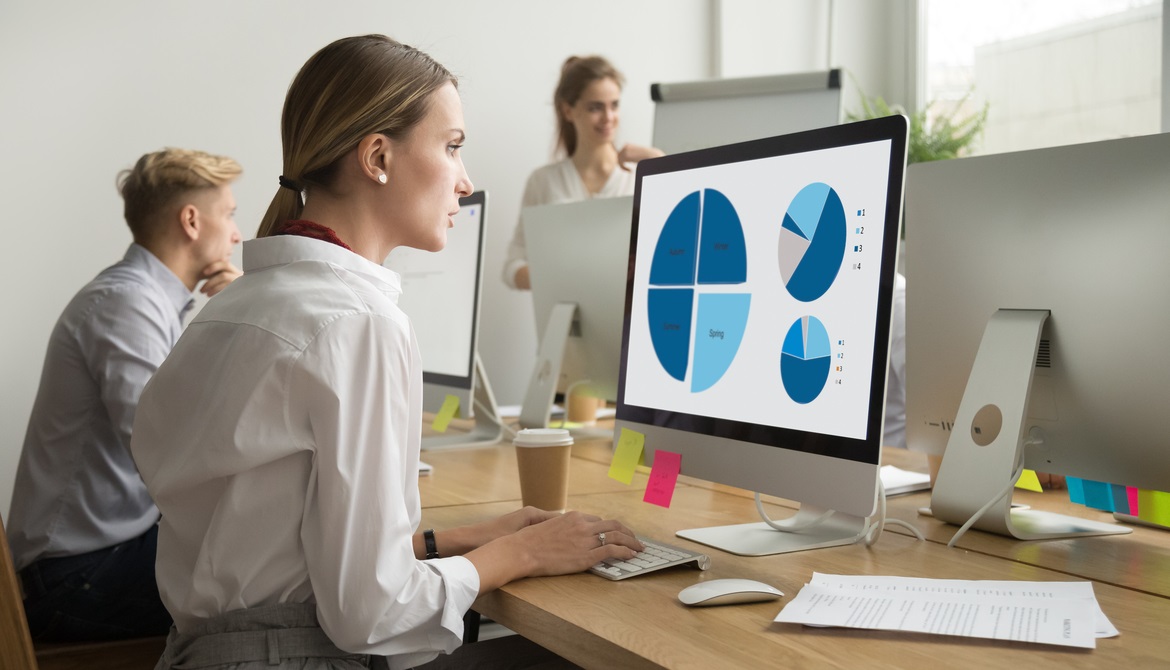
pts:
[556, 183]
[280, 440]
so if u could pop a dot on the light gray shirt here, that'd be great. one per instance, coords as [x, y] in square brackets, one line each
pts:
[77, 489]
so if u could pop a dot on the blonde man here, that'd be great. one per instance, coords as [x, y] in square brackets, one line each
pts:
[83, 528]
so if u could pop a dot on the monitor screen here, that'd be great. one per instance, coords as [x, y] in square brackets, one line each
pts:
[1079, 232]
[441, 295]
[577, 253]
[757, 320]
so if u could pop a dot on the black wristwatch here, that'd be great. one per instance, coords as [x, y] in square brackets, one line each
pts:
[429, 539]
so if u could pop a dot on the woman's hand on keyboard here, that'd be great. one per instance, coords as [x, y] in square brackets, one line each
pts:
[571, 542]
[550, 544]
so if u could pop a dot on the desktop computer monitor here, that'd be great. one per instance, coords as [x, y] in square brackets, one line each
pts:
[1035, 324]
[757, 322]
[441, 295]
[577, 256]
[714, 112]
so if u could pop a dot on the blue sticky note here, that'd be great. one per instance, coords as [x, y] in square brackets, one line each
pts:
[1098, 495]
[1120, 499]
[1076, 490]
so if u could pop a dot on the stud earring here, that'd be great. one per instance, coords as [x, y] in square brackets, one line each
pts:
[382, 178]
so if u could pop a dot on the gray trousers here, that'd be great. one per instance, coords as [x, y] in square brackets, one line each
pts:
[288, 636]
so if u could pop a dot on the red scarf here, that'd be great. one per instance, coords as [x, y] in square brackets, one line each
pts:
[312, 230]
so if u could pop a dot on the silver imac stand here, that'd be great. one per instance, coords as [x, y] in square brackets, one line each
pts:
[809, 528]
[987, 442]
[542, 385]
[486, 431]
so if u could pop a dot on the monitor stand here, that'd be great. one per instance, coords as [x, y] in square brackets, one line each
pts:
[987, 441]
[809, 528]
[486, 431]
[542, 385]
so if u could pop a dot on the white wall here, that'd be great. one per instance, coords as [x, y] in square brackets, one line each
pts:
[872, 41]
[89, 86]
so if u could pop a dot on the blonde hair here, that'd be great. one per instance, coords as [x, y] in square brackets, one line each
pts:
[353, 87]
[161, 177]
[577, 73]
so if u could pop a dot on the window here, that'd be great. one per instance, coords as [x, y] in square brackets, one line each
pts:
[1051, 72]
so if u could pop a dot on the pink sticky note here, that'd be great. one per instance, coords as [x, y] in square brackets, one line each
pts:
[663, 476]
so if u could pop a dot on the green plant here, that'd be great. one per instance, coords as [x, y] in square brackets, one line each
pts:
[932, 136]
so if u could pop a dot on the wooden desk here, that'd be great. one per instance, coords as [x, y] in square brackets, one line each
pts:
[489, 474]
[1138, 561]
[639, 623]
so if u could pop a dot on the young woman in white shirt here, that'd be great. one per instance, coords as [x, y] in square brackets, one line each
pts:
[587, 103]
[280, 439]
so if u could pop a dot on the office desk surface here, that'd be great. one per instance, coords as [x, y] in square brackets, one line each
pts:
[1139, 561]
[640, 623]
[489, 474]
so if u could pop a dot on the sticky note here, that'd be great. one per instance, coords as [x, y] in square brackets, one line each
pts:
[446, 413]
[1154, 506]
[1076, 490]
[1029, 482]
[663, 476]
[1120, 498]
[1098, 495]
[627, 455]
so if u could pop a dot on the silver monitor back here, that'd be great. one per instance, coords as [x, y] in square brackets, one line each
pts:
[578, 253]
[1081, 231]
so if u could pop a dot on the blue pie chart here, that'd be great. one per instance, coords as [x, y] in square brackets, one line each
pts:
[805, 359]
[696, 325]
[812, 242]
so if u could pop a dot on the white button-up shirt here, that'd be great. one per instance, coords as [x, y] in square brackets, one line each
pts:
[280, 440]
[553, 184]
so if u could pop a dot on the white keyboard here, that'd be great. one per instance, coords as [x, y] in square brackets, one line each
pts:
[656, 556]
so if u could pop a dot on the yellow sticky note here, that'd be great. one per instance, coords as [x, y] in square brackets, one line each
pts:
[1029, 482]
[627, 455]
[1154, 506]
[446, 413]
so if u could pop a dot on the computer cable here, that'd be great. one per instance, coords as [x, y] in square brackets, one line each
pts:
[1006, 491]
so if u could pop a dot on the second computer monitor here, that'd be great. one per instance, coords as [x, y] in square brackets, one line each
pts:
[577, 254]
[1063, 250]
[441, 295]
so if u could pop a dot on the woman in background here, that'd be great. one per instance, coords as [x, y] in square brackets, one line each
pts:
[281, 437]
[587, 104]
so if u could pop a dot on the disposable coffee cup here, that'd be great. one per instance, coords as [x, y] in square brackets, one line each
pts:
[542, 456]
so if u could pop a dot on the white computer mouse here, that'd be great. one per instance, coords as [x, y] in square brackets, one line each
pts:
[727, 592]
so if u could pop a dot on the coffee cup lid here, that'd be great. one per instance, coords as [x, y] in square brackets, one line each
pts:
[543, 437]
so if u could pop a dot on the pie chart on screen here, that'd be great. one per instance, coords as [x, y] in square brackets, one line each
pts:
[696, 323]
[805, 359]
[812, 242]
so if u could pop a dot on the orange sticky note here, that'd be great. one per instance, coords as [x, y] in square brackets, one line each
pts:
[663, 477]
[627, 455]
[446, 413]
[1029, 482]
